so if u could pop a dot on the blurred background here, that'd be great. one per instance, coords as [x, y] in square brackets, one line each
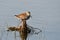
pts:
[44, 12]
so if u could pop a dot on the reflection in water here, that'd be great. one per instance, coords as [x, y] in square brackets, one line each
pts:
[33, 31]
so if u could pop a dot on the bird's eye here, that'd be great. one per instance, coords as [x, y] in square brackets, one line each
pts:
[29, 12]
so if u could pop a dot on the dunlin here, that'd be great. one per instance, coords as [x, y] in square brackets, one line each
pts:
[25, 15]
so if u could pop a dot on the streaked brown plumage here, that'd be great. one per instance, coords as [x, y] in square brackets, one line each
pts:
[25, 15]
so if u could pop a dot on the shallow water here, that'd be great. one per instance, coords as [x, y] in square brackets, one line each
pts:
[44, 13]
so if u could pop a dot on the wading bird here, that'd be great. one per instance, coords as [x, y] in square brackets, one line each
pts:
[24, 16]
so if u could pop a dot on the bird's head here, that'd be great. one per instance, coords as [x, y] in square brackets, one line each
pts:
[28, 13]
